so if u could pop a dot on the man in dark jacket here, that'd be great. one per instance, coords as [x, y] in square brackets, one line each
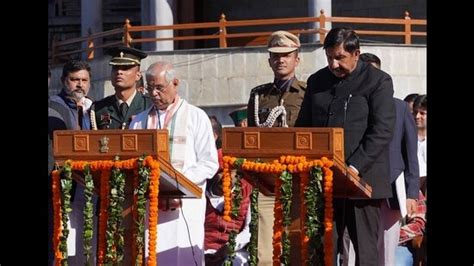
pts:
[404, 176]
[76, 81]
[116, 111]
[68, 111]
[352, 94]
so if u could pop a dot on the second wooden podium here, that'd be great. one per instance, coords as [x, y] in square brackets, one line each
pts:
[268, 144]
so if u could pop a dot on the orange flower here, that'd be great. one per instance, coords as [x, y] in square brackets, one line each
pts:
[57, 228]
[294, 165]
[104, 166]
[154, 188]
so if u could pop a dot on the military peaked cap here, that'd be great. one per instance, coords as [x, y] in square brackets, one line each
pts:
[126, 56]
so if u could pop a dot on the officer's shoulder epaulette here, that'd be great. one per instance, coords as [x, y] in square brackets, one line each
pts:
[260, 88]
[302, 84]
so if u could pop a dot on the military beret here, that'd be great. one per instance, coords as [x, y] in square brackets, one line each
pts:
[283, 42]
[238, 115]
[126, 56]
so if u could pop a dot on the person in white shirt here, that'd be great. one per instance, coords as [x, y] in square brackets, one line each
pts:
[420, 113]
[181, 226]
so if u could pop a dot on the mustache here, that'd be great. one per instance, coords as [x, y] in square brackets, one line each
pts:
[79, 90]
[78, 94]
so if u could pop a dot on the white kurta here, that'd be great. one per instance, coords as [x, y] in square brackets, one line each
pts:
[422, 156]
[181, 232]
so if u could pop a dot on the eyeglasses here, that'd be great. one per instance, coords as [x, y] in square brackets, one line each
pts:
[159, 88]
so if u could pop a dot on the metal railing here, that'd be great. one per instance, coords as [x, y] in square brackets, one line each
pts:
[87, 44]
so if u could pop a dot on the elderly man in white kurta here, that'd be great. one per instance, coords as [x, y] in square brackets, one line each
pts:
[192, 152]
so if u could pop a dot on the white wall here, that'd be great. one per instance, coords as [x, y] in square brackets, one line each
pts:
[218, 79]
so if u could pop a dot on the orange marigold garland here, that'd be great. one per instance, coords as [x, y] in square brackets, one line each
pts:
[153, 214]
[56, 191]
[314, 209]
[277, 224]
[328, 215]
[226, 187]
[61, 205]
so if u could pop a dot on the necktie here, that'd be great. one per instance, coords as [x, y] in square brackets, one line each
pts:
[123, 109]
[80, 117]
[282, 85]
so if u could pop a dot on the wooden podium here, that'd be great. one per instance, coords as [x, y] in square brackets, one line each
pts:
[88, 145]
[268, 144]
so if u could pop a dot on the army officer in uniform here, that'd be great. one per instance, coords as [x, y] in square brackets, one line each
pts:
[116, 111]
[275, 104]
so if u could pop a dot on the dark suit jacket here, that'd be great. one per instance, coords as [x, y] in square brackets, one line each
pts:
[107, 112]
[403, 151]
[362, 104]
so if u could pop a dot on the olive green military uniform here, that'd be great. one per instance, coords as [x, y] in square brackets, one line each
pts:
[270, 97]
[108, 114]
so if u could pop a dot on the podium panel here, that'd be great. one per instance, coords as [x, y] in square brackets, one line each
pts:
[89, 145]
[96, 145]
[267, 144]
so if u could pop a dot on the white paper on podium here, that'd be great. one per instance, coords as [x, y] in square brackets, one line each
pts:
[401, 194]
[71, 240]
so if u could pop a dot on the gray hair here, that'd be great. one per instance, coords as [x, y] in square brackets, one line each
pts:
[167, 67]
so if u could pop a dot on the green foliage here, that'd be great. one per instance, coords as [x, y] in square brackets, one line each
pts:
[114, 232]
[66, 186]
[285, 254]
[252, 247]
[286, 190]
[230, 248]
[236, 196]
[140, 191]
[88, 213]
[315, 216]
[238, 162]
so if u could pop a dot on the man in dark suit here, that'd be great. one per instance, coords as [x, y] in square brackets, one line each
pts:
[116, 111]
[352, 94]
[404, 176]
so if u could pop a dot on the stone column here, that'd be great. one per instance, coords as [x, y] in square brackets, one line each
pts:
[158, 12]
[314, 8]
[91, 22]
